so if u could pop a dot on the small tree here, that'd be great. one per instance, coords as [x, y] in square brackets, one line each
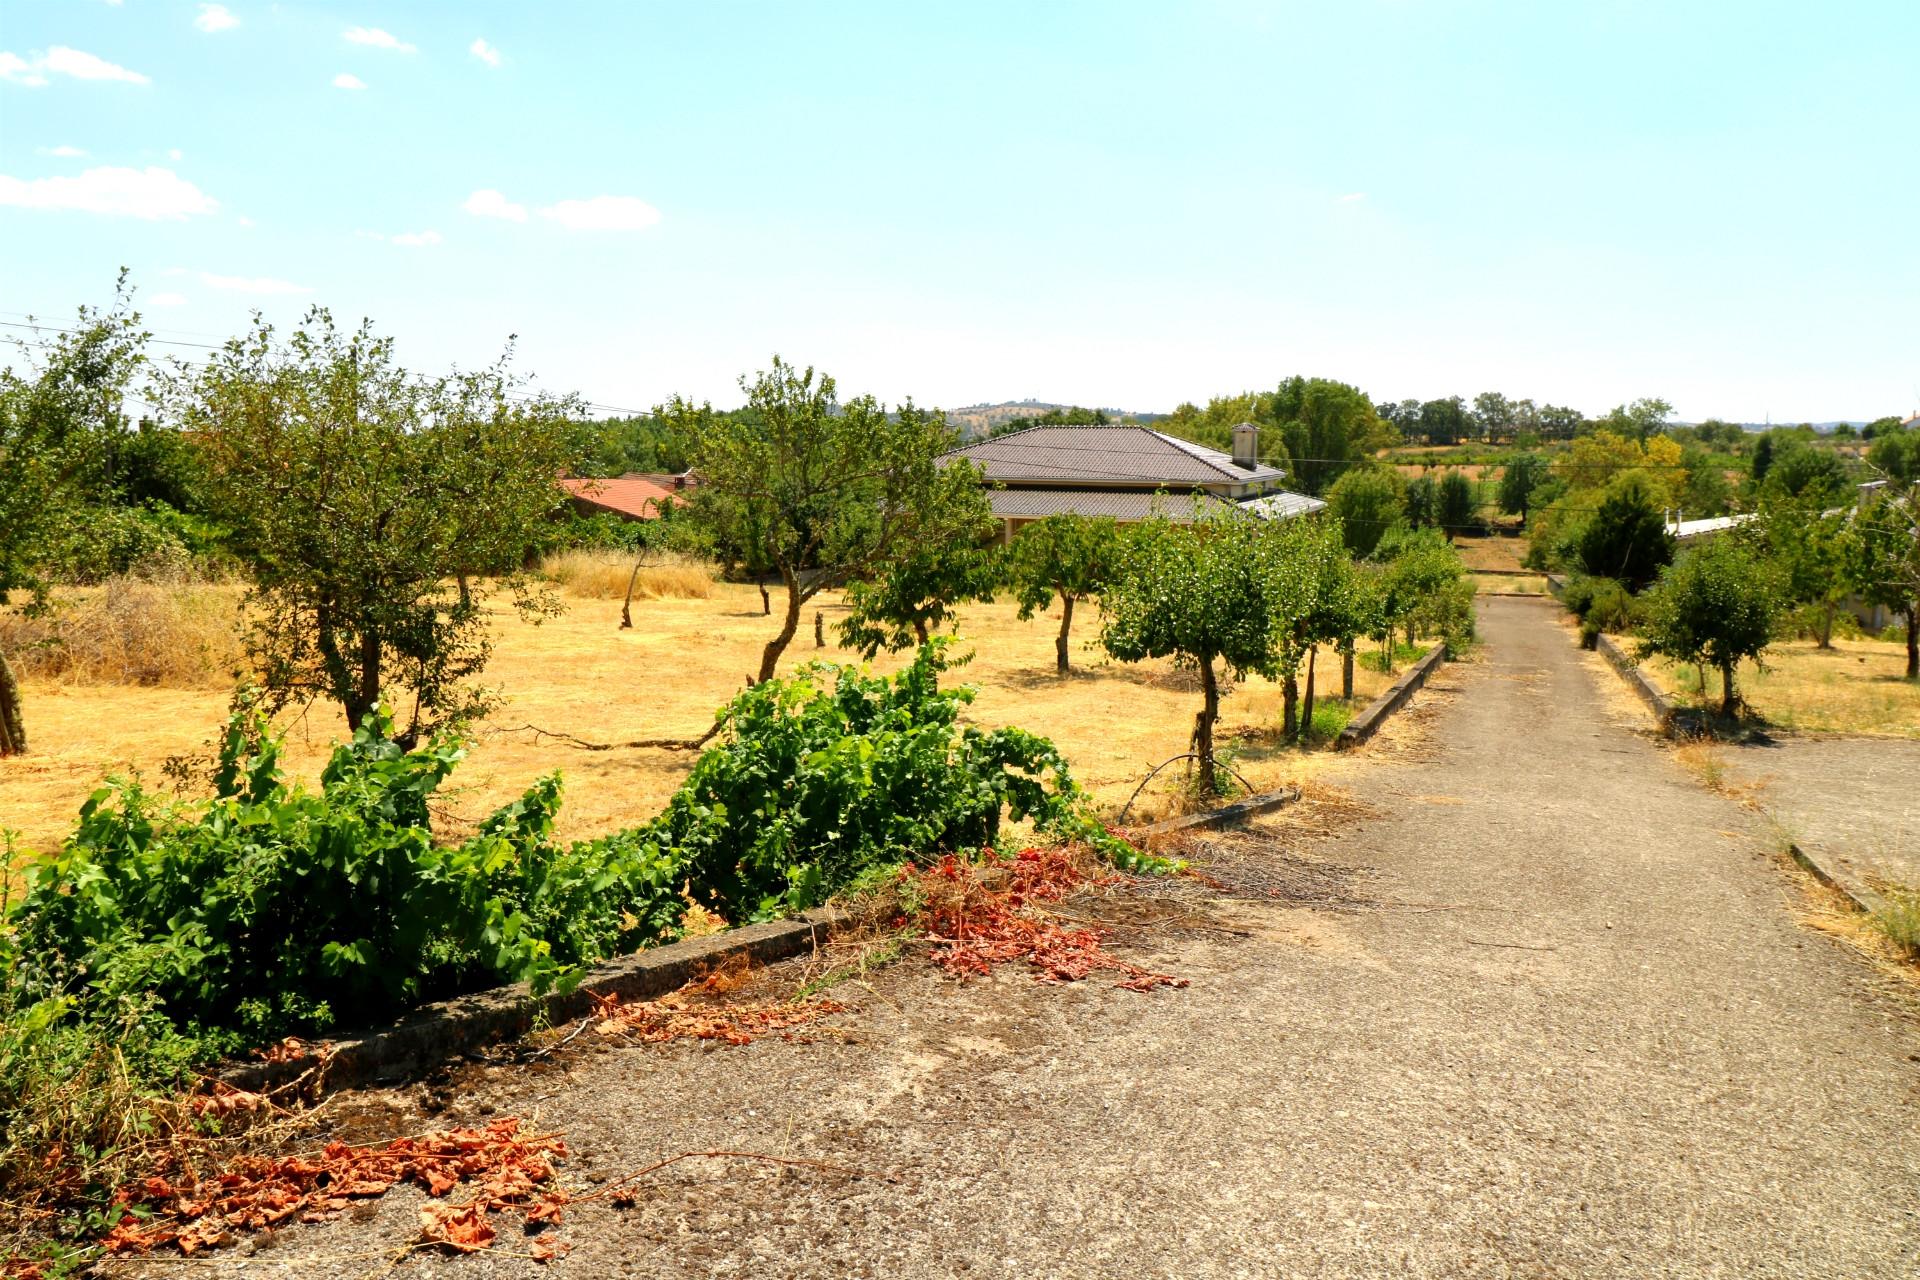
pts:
[1422, 585]
[1817, 550]
[1072, 557]
[1423, 502]
[917, 593]
[372, 507]
[1626, 538]
[1714, 606]
[1367, 501]
[1198, 594]
[1888, 566]
[1525, 472]
[60, 411]
[821, 492]
[1455, 501]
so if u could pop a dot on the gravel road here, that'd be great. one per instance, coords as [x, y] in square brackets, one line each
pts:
[1541, 1009]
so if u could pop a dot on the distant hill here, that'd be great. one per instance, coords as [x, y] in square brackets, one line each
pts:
[979, 419]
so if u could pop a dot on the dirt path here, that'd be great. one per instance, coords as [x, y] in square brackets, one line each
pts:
[1553, 1017]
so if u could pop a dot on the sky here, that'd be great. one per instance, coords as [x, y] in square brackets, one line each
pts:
[1108, 203]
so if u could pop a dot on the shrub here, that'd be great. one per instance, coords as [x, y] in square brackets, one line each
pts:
[602, 573]
[180, 634]
[1627, 536]
[1367, 501]
[1718, 604]
[272, 908]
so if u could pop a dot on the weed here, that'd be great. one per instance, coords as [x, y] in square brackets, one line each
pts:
[1899, 919]
[179, 633]
[601, 573]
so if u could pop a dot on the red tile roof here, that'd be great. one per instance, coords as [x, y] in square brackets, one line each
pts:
[633, 496]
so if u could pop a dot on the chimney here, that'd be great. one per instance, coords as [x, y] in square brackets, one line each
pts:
[1246, 445]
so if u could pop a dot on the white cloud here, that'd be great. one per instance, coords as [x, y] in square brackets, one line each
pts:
[603, 213]
[167, 300]
[63, 152]
[485, 52]
[151, 193]
[412, 238]
[1353, 197]
[377, 38]
[250, 284]
[62, 61]
[215, 17]
[348, 80]
[176, 154]
[488, 203]
[245, 221]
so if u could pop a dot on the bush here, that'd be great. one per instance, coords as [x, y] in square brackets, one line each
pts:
[1602, 605]
[1627, 536]
[273, 909]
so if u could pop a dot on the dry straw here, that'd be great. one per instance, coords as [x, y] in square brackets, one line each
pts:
[603, 574]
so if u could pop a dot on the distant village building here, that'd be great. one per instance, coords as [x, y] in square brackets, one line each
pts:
[631, 497]
[1128, 473]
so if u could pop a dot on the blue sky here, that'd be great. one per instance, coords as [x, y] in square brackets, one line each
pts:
[1117, 203]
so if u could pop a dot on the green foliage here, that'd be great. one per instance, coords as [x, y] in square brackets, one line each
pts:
[1444, 421]
[1707, 492]
[1626, 538]
[271, 908]
[618, 446]
[1072, 557]
[1422, 587]
[1523, 477]
[916, 594]
[1422, 503]
[1326, 426]
[1454, 502]
[1367, 501]
[1717, 604]
[369, 505]
[1818, 551]
[1896, 454]
[1887, 567]
[1805, 471]
[834, 771]
[1639, 420]
[821, 492]
[1602, 605]
[1071, 416]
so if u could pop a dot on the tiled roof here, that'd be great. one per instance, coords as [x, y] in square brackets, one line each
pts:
[1128, 456]
[634, 496]
[1137, 504]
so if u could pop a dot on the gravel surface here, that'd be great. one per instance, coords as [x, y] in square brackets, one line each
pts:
[1855, 801]
[1535, 1006]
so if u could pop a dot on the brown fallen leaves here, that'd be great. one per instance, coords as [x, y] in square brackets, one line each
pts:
[678, 1017]
[976, 923]
[508, 1171]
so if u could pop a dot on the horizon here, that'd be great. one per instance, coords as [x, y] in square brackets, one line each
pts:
[1118, 204]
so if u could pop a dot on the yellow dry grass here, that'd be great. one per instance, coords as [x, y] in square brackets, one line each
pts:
[1858, 686]
[1479, 552]
[130, 631]
[602, 574]
[580, 674]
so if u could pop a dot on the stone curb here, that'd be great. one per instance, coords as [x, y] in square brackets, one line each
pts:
[1226, 816]
[1368, 722]
[437, 1032]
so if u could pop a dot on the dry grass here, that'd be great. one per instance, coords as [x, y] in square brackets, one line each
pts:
[1855, 687]
[130, 631]
[600, 574]
[580, 674]
[1503, 583]
[1483, 552]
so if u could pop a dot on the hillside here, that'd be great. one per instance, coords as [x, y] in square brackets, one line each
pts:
[978, 419]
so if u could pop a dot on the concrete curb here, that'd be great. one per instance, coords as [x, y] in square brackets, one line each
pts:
[1227, 816]
[436, 1032]
[1368, 722]
[1665, 714]
[1864, 899]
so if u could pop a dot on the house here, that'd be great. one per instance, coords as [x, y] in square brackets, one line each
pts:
[1128, 473]
[631, 497]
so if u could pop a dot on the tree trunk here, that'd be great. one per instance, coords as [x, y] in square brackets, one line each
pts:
[819, 629]
[1913, 639]
[1346, 673]
[1826, 627]
[1060, 662]
[1203, 727]
[626, 606]
[13, 730]
[1290, 708]
[1306, 711]
[920, 630]
[770, 656]
[1726, 688]
[766, 601]
[367, 687]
